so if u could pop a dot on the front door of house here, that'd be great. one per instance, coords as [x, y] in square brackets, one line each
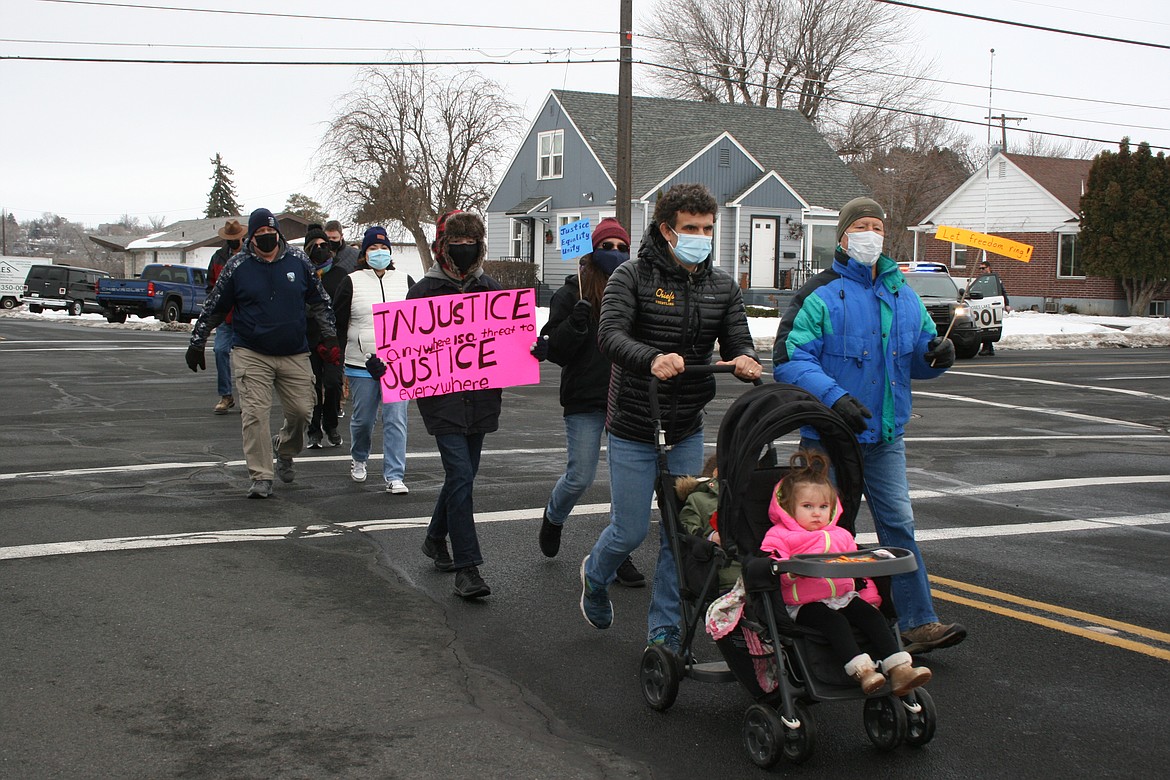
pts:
[763, 258]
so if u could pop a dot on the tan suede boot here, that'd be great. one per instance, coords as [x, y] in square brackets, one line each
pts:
[225, 402]
[862, 669]
[904, 676]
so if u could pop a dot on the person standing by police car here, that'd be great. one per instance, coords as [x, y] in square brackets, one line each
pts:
[988, 349]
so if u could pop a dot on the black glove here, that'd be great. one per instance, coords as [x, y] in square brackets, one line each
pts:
[940, 353]
[196, 359]
[579, 316]
[853, 412]
[539, 348]
[375, 366]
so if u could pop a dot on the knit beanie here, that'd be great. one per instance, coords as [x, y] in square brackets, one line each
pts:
[315, 233]
[261, 218]
[855, 210]
[375, 235]
[609, 228]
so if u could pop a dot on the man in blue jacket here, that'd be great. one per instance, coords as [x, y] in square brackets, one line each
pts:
[268, 287]
[855, 336]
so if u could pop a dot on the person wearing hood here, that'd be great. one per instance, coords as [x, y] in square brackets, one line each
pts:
[804, 511]
[270, 289]
[659, 314]
[569, 339]
[375, 281]
[328, 377]
[458, 421]
[232, 234]
[854, 336]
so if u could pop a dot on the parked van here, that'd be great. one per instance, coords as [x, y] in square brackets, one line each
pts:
[62, 287]
[13, 270]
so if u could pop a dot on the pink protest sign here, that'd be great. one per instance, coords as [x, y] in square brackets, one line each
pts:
[451, 343]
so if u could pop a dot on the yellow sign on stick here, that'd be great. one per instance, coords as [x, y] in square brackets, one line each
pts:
[1000, 246]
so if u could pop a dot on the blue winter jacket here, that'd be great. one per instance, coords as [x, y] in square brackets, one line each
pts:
[846, 332]
[269, 302]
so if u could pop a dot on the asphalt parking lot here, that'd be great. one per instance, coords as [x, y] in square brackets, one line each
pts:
[156, 624]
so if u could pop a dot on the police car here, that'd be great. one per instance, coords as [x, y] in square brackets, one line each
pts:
[939, 293]
[987, 305]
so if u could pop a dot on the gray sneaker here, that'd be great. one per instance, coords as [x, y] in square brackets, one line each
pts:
[314, 440]
[261, 488]
[595, 603]
[284, 466]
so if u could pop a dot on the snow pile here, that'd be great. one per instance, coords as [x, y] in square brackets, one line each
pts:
[1021, 329]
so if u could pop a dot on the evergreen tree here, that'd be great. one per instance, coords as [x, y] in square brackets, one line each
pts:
[306, 208]
[221, 202]
[1124, 206]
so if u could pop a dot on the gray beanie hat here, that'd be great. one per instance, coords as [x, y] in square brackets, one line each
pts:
[855, 210]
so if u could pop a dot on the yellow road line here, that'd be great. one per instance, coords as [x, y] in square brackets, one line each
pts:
[1129, 628]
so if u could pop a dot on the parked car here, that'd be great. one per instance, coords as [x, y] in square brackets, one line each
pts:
[172, 293]
[62, 287]
[13, 271]
[940, 295]
[987, 305]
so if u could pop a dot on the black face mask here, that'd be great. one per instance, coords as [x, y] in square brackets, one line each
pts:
[320, 254]
[463, 255]
[336, 246]
[266, 242]
[233, 246]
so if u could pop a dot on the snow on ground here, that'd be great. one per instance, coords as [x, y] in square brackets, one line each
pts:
[1021, 329]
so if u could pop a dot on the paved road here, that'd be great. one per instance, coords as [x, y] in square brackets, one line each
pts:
[156, 624]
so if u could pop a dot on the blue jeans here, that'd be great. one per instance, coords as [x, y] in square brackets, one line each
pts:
[366, 394]
[633, 469]
[887, 491]
[454, 513]
[224, 336]
[583, 432]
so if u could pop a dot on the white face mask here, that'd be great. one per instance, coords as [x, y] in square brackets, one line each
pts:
[865, 247]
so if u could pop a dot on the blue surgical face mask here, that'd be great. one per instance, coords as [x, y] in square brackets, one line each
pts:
[378, 259]
[691, 249]
[606, 260]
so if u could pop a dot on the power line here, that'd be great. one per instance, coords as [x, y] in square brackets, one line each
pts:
[315, 18]
[299, 63]
[909, 112]
[132, 44]
[1025, 25]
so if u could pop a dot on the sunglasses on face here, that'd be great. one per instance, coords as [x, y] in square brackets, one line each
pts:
[615, 245]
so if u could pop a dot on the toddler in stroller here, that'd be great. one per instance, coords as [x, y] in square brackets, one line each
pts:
[804, 511]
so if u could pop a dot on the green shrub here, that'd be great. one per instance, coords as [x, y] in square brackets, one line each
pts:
[762, 311]
[510, 274]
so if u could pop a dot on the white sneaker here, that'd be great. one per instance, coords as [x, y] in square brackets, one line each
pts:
[396, 486]
[357, 470]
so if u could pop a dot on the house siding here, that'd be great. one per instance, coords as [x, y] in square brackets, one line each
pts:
[1011, 203]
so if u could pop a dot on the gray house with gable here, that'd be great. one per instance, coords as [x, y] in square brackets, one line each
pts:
[778, 182]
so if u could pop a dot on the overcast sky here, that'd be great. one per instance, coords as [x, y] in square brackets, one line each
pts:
[92, 141]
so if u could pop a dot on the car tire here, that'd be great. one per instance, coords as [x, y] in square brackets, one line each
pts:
[8, 303]
[170, 311]
[75, 308]
[966, 350]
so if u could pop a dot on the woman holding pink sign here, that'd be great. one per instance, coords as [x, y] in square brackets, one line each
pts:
[458, 421]
[374, 281]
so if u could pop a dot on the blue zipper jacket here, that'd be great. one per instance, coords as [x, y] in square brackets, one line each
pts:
[847, 332]
[269, 303]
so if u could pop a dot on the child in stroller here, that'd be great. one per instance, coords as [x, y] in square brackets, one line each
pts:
[804, 510]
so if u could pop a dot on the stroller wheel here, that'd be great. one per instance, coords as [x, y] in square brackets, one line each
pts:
[920, 725]
[800, 742]
[763, 735]
[885, 722]
[658, 675]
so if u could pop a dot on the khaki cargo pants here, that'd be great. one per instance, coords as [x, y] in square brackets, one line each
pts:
[255, 376]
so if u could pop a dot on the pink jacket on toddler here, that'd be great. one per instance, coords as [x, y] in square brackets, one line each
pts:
[786, 538]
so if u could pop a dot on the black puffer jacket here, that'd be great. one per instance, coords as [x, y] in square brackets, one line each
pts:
[572, 344]
[470, 411]
[652, 306]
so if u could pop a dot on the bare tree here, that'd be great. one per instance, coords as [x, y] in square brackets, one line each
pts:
[1036, 145]
[810, 55]
[413, 142]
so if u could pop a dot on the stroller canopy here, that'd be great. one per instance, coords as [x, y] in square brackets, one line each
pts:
[756, 419]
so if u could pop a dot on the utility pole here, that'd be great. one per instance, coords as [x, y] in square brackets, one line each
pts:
[4, 232]
[625, 119]
[1003, 119]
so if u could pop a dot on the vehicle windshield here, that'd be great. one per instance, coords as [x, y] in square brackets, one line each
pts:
[933, 286]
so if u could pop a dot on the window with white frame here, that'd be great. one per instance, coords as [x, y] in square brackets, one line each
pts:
[550, 152]
[1068, 260]
[958, 256]
[562, 220]
[516, 238]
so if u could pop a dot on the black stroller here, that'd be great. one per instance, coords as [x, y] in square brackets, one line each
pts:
[783, 666]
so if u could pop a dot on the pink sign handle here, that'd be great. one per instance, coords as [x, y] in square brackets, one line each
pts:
[451, 343]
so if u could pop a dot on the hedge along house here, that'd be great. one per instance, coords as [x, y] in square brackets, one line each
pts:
[778, 182]
[187, 242]
[1036, 201]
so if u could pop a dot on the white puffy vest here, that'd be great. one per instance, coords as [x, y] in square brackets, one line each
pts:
[368, 289]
